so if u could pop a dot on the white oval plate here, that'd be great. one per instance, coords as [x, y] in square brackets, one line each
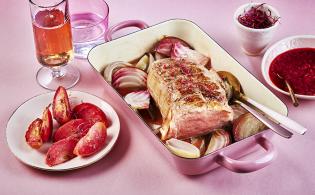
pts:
[33, 108]
[298, 41]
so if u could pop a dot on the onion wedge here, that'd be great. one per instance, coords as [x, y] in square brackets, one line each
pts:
[219, 139]
[246, 125]
[164, 46]
[129, 71]
[200, 143]
[108, 72]
[138, 99]
[180, 51]
[182, 148]
[129, 79]
[238, 111]
[143, 63]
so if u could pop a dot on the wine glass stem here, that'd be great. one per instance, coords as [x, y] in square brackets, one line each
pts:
[56, 72]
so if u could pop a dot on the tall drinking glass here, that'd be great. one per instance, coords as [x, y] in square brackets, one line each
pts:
[53, 42]
[89, 21]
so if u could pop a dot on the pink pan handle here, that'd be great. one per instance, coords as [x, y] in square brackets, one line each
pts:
[249, 166]
[125, 24]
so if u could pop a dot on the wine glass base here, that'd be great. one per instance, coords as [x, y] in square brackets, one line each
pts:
[67, 77]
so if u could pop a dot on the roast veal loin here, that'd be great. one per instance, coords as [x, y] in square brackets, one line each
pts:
[190, 97]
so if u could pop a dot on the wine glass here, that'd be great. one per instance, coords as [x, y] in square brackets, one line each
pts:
[53, 42]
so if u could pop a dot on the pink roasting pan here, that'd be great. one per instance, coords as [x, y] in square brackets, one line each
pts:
[134, 45]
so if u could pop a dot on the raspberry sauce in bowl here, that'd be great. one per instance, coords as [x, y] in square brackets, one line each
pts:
[297, 66]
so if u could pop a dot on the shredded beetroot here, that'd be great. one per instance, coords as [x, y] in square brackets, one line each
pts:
[257, 17]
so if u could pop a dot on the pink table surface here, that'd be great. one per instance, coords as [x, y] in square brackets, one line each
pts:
[134, 166]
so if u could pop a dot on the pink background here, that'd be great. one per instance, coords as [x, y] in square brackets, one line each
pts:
[134, 166]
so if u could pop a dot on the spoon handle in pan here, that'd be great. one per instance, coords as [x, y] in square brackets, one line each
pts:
[283, 120]
[269, 123]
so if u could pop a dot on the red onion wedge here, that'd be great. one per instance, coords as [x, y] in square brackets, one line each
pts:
[164, 46]
[128, 79]
[110, 68]
[246, 125]
[219, 139]
[138, 99]
[200, 143]
[126, 87]
[181, 51]
[238, 111]
[159, 56]
[129, 71]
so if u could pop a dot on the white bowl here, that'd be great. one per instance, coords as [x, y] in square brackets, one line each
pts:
[254, 41]
[299, 41]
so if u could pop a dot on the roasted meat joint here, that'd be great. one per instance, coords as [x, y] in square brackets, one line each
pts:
[190, 97]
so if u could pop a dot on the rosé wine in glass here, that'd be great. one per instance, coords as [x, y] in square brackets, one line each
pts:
[53, 43]
[52, 35]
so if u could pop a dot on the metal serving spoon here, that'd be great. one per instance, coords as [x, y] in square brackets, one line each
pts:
[236, 95]
[291, 92]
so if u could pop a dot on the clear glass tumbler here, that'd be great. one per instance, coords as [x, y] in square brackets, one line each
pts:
[89, 20]
[53, 42]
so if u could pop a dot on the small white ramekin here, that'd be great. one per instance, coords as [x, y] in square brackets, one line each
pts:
[254, 41]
